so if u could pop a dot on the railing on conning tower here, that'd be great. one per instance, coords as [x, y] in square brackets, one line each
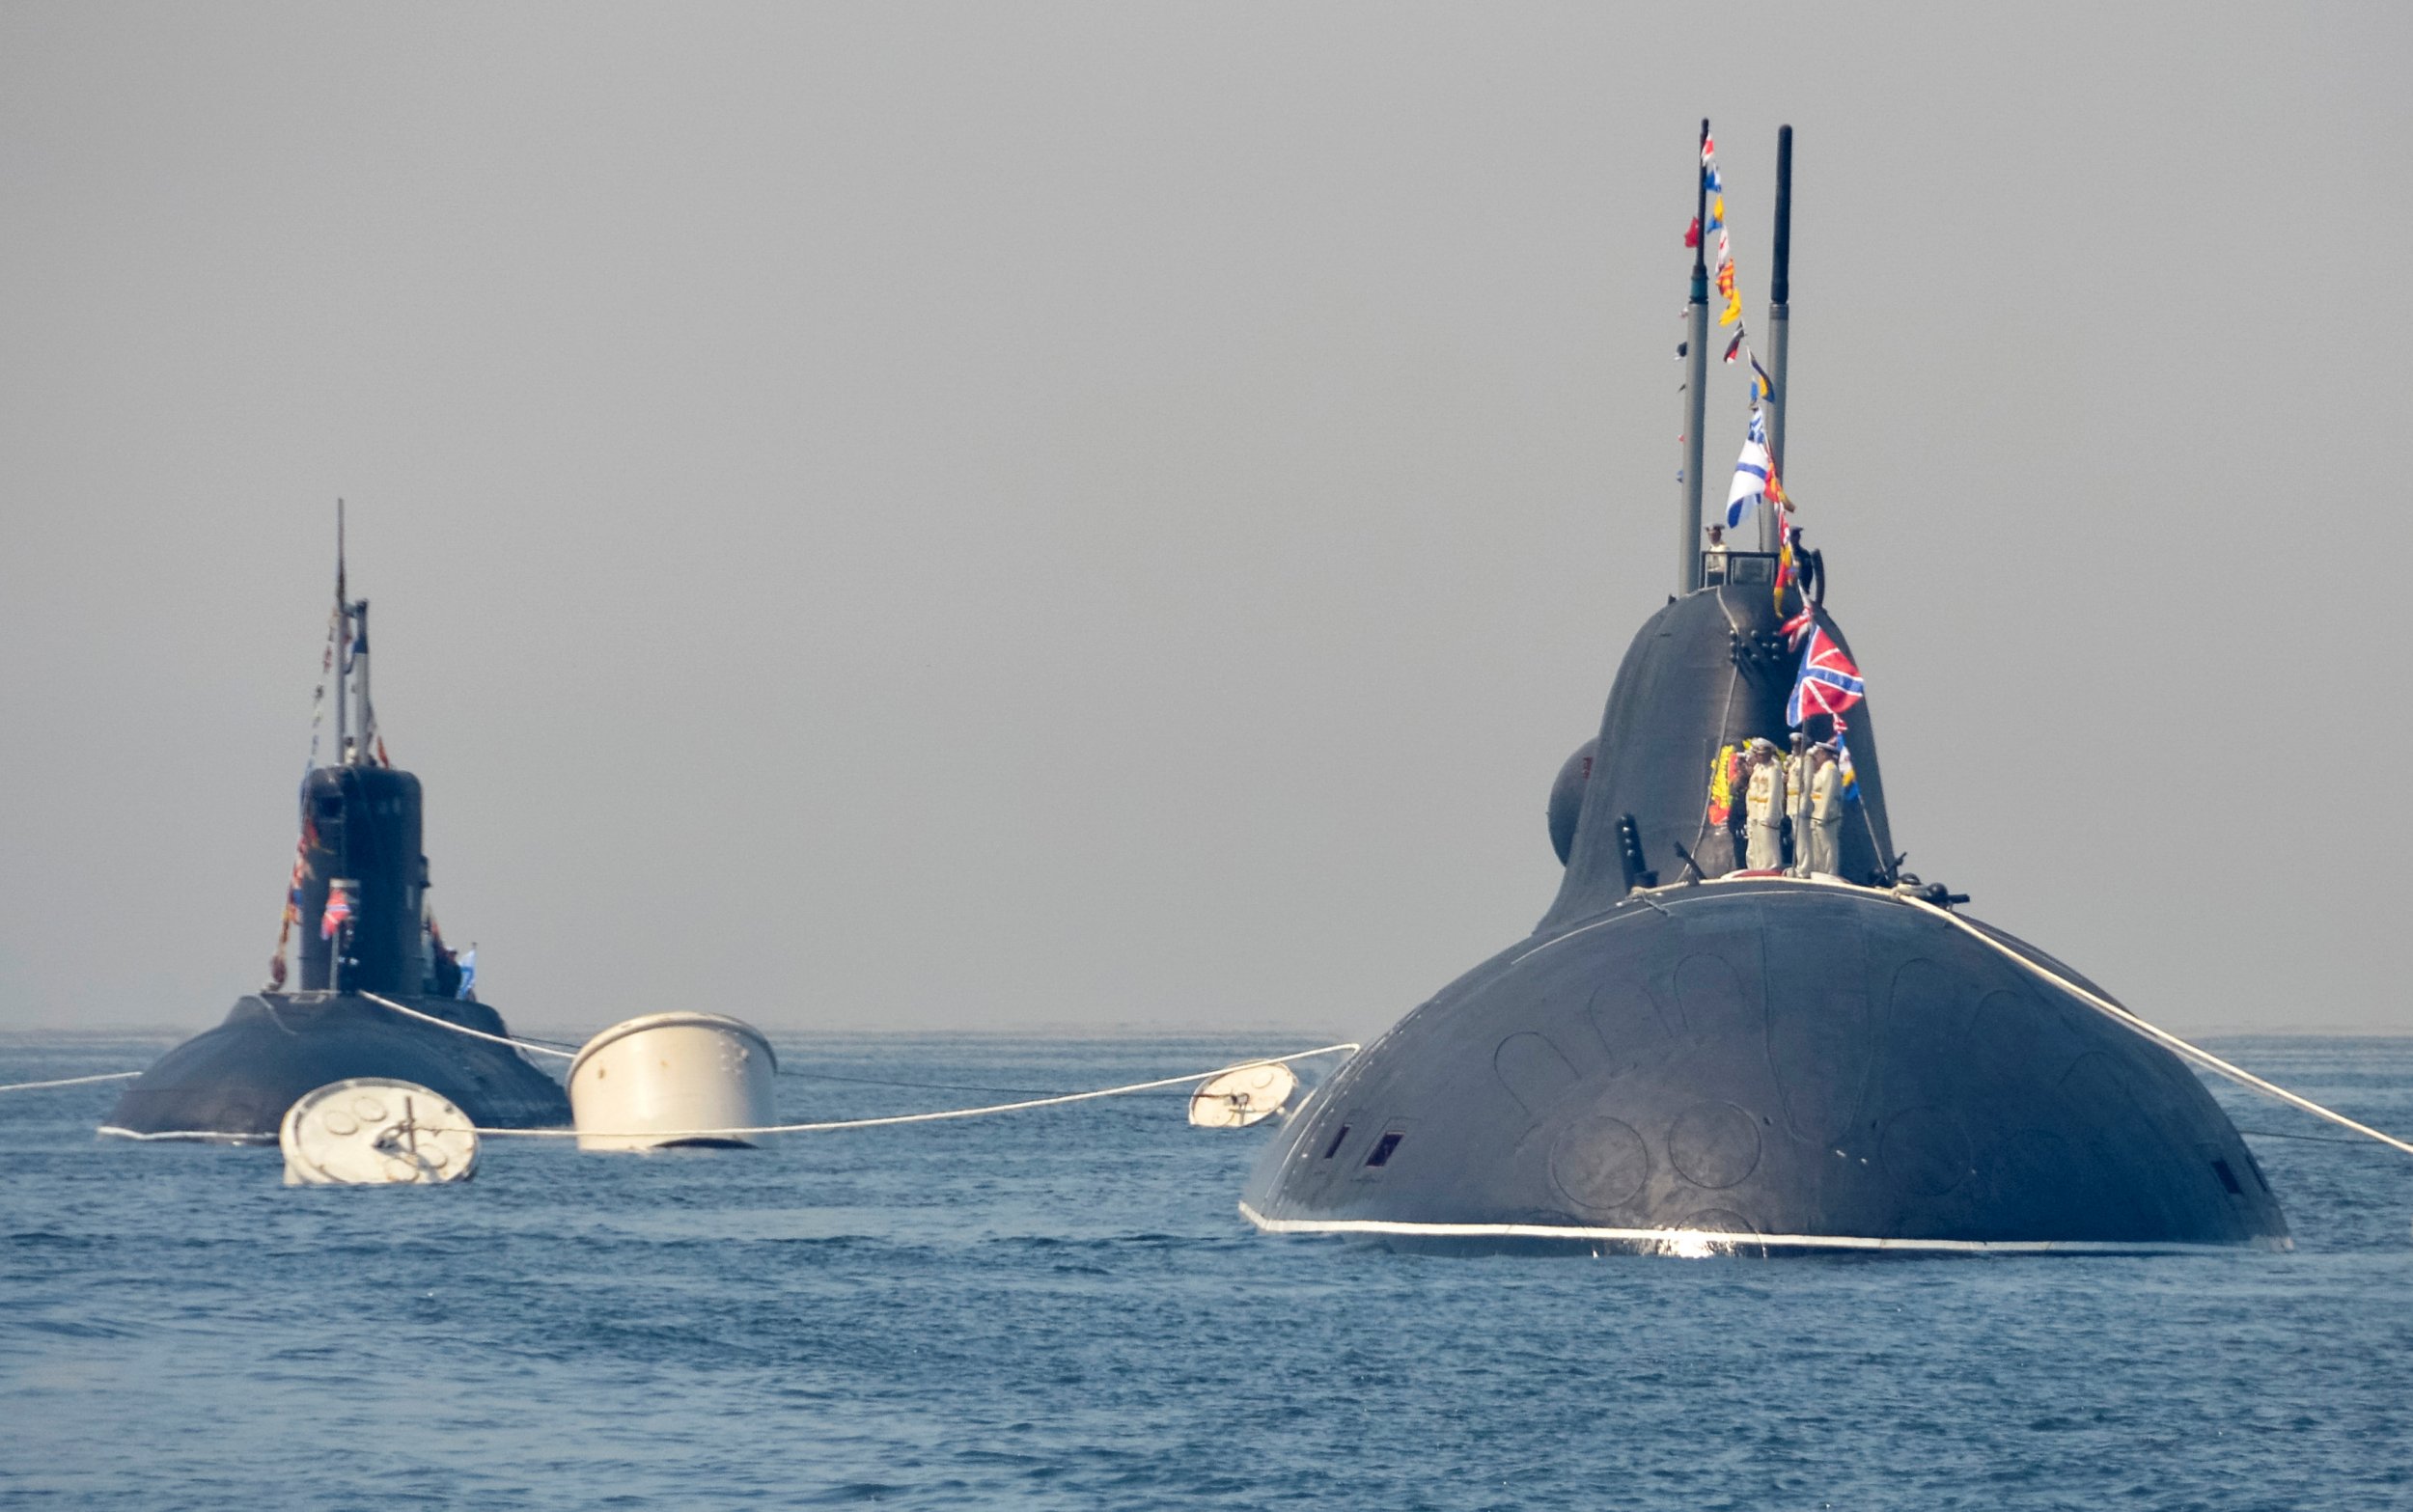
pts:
[1735, 567]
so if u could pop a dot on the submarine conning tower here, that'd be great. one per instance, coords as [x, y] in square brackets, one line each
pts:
[361, 824]
[1688, 1056]
[1709, 672]
[379, 994]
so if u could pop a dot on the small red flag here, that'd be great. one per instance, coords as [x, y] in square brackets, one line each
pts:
[1692, 233]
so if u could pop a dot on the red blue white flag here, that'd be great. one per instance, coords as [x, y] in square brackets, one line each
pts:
[1828, 684]
[339, 909]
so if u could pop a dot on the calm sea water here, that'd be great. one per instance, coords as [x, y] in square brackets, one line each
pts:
[1062, 1308]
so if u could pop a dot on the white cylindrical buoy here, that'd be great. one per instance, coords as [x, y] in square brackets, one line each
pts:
[1240, 1098]
[672, 1078]
[375, 1131]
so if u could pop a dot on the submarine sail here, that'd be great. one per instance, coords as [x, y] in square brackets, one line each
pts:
[1695, 1051]
[358, 895]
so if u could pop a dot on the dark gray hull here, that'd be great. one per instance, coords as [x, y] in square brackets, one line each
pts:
[236, 1081]
[1764, 1063]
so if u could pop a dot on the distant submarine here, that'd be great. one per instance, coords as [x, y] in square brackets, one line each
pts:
[360, 823]
[1686, 1059]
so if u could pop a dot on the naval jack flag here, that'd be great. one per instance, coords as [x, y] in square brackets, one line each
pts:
[1828, 684]
[1750, 471]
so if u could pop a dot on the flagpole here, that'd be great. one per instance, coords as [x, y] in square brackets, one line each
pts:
[342, 639]
[1780, 316]
[1697, 378]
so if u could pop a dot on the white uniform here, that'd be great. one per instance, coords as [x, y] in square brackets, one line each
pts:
[1763, 838]
[1826, 818]
[1797, 807]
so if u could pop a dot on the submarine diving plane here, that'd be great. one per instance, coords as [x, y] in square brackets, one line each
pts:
[1690, 1055]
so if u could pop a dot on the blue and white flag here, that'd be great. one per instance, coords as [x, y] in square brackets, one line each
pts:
[1751, 472]
[468, 973]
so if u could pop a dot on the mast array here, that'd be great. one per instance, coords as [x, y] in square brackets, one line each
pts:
[355, 717]
[1758, 472]
[343, 649]
[1780, 317]
[1696, 382]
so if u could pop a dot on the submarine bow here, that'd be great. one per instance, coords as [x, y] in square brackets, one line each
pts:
[1751, 1060]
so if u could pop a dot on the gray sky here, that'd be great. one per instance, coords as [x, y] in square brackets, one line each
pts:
[1001, 516]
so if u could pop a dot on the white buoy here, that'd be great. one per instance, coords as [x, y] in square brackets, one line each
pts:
[375, 1131]
[672, 1078]
[1237, 1099]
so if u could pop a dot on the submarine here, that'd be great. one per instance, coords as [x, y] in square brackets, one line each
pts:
[1696, 1053]
[379, 994]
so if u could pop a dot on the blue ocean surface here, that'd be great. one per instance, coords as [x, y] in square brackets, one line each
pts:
[1062, 1308]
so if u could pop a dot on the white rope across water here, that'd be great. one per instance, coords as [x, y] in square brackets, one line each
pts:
[2161, 1036]
[71, 1080]
[663, 1135]
[2106, 1006]
[826, 1126]
[659, 1135]
[474, 1034]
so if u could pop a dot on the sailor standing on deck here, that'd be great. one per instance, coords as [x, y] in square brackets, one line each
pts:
[1764, 820]
[1797, 800]
[1826, 812]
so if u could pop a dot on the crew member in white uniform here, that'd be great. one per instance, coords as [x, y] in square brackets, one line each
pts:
[1826, 812]
[1713, 560]
[1763, 834]
[1797, 801]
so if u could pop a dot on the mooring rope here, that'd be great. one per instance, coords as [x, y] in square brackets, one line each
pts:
[1050, 1101]
[473, 1033]
[71, 1080]
[663, 1135]
[2161, 1036]
[2114, 1011]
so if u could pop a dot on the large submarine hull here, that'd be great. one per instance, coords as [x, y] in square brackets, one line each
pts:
[1765, 1064]
[1686, 1055]
[234, 1082]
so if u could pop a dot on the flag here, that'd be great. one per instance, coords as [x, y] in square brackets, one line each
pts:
[1751, 472]
[468, 973]
[1828, 684]
[1843, 764]
[339, 909]
[292, 891]
[1763, 386]
[1692, 233]
[1734, 346]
